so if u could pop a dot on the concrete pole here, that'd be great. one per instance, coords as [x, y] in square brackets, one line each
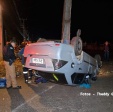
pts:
[66, 22]
[1, 34]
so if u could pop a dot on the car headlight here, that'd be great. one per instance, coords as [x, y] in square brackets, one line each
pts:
[58, 63]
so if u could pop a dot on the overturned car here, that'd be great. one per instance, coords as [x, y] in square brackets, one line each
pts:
[62, 63]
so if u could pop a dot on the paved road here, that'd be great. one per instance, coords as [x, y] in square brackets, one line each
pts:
[50, 97]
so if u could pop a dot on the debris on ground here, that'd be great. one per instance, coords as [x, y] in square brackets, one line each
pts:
[2, 82]
[85, 85]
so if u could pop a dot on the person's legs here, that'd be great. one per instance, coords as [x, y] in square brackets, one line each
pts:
[107, 56]
[25, 73]
[13, 75]
[30, 73]
[8, 78]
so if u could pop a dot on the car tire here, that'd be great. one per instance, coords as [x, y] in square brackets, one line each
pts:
[78, 46]
[94, 78]
[98, 58]
[78, 78]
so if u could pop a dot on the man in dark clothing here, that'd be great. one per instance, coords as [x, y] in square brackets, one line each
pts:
[9, 58]
[26, 72]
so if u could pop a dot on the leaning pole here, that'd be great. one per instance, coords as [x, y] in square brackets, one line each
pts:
[66, 21]
[1, 34]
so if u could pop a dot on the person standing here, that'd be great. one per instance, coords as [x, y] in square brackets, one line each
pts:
[26, 71]
[9, 59]
[106, 51]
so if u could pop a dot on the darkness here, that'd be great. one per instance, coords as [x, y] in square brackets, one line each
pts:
[43, 18]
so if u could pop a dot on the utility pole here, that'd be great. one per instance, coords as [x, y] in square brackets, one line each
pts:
[66, 22]
[1, 34]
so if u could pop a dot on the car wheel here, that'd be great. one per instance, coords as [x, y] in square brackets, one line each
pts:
[78, 46]
[98, 58]
[78, 78]
[94, 78]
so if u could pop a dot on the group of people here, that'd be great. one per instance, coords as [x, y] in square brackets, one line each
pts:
[9, 59]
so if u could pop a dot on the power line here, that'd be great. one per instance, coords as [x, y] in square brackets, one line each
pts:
[22, 23]
[16, 9]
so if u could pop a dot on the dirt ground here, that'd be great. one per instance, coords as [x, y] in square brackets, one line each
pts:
[50, 97]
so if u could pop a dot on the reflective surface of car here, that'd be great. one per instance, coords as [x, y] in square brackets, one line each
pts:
[59, 63]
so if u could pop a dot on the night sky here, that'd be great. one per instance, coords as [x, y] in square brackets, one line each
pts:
[43, 18]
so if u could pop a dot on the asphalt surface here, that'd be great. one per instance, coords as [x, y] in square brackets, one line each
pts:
[51, 97]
